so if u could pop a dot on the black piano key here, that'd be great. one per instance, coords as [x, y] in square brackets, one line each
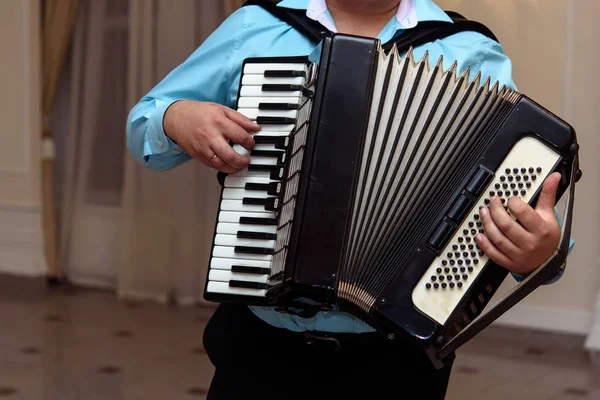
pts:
[255, 201]
[270, 87]
[256, 235]
[270, 203]
[253, 250]
[257, 221]
[273, 188]
[275, 120]
[279, 142]
[276, 174]
[248, 285]
[266, 153]
[278, 106]
[276, 87]
[283, 74]
[250, 270]
[280, 155]
[275, 171]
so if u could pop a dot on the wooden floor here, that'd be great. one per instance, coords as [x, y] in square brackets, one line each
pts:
[82, 344]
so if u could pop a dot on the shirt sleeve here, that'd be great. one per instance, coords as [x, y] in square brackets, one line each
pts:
[205, 76]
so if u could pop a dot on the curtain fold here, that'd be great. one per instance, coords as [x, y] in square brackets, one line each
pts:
[145, 234]
[167, 218]
[57, 25]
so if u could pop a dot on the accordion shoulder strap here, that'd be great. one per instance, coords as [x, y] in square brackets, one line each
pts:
[295, 18]
[424, 32]
[429, 31]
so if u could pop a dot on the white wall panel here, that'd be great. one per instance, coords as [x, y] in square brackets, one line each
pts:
[20, 124]
[19, 104]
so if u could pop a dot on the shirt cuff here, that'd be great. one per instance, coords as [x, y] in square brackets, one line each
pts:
[157, 142]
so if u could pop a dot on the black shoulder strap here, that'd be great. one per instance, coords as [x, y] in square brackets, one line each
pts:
[424, 32]
[295, 18]
[429, 31]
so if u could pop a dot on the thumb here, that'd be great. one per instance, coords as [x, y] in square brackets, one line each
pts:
[547, 197]
[240, 119]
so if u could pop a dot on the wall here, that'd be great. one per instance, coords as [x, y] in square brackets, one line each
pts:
[549, 43]
[20, 233]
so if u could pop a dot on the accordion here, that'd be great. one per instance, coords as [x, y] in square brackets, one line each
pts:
[364, 186]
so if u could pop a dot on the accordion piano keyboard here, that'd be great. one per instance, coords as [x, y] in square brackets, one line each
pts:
[246, 232]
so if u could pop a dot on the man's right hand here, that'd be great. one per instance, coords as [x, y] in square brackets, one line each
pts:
[203, 130]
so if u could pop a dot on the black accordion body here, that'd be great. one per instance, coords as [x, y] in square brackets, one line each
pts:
[364, 188]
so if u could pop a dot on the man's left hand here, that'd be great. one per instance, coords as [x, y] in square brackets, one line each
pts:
[521, 247]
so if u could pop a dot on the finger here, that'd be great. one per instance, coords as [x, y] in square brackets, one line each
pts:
[493, 252]
[240, 119]
[229, 156]
[528, 217]
[509, 227]
[205, 155]
[237, 134]
[547, 198]
[500, 241]
[196, 153]
[218, 164]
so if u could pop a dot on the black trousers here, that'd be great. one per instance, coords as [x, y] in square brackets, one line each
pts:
[253, 359]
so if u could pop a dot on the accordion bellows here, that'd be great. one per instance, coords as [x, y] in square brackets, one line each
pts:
[423, 122]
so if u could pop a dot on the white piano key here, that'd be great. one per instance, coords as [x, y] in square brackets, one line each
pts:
[232, 240]
[227, 263]
[220, 275]
[256, 79]
[258, 160]
[287, 129]
[273, 132]
[260, 68]
[233, 229]
[253, 113]
[234, 217]
[256, 91]
[237, 182]
[252, 174]
[254, 102]
[237, 205]
[239, 149]
[239, 194]
[224, 288]
[229, 252]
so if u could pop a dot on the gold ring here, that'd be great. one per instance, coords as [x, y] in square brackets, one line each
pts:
[213, 157]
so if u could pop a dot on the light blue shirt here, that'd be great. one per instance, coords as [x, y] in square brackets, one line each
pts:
[212, 73]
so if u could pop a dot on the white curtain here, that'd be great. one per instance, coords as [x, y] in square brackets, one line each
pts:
[144, 234]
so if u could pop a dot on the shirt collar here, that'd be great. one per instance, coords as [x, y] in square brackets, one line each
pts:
[409, 13]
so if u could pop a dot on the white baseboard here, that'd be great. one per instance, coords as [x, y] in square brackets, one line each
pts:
[547, 319]
[21, 242]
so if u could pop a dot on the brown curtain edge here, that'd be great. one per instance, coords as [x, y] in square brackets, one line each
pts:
[57, 24]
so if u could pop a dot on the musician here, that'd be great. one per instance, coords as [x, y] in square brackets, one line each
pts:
[260, 353]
